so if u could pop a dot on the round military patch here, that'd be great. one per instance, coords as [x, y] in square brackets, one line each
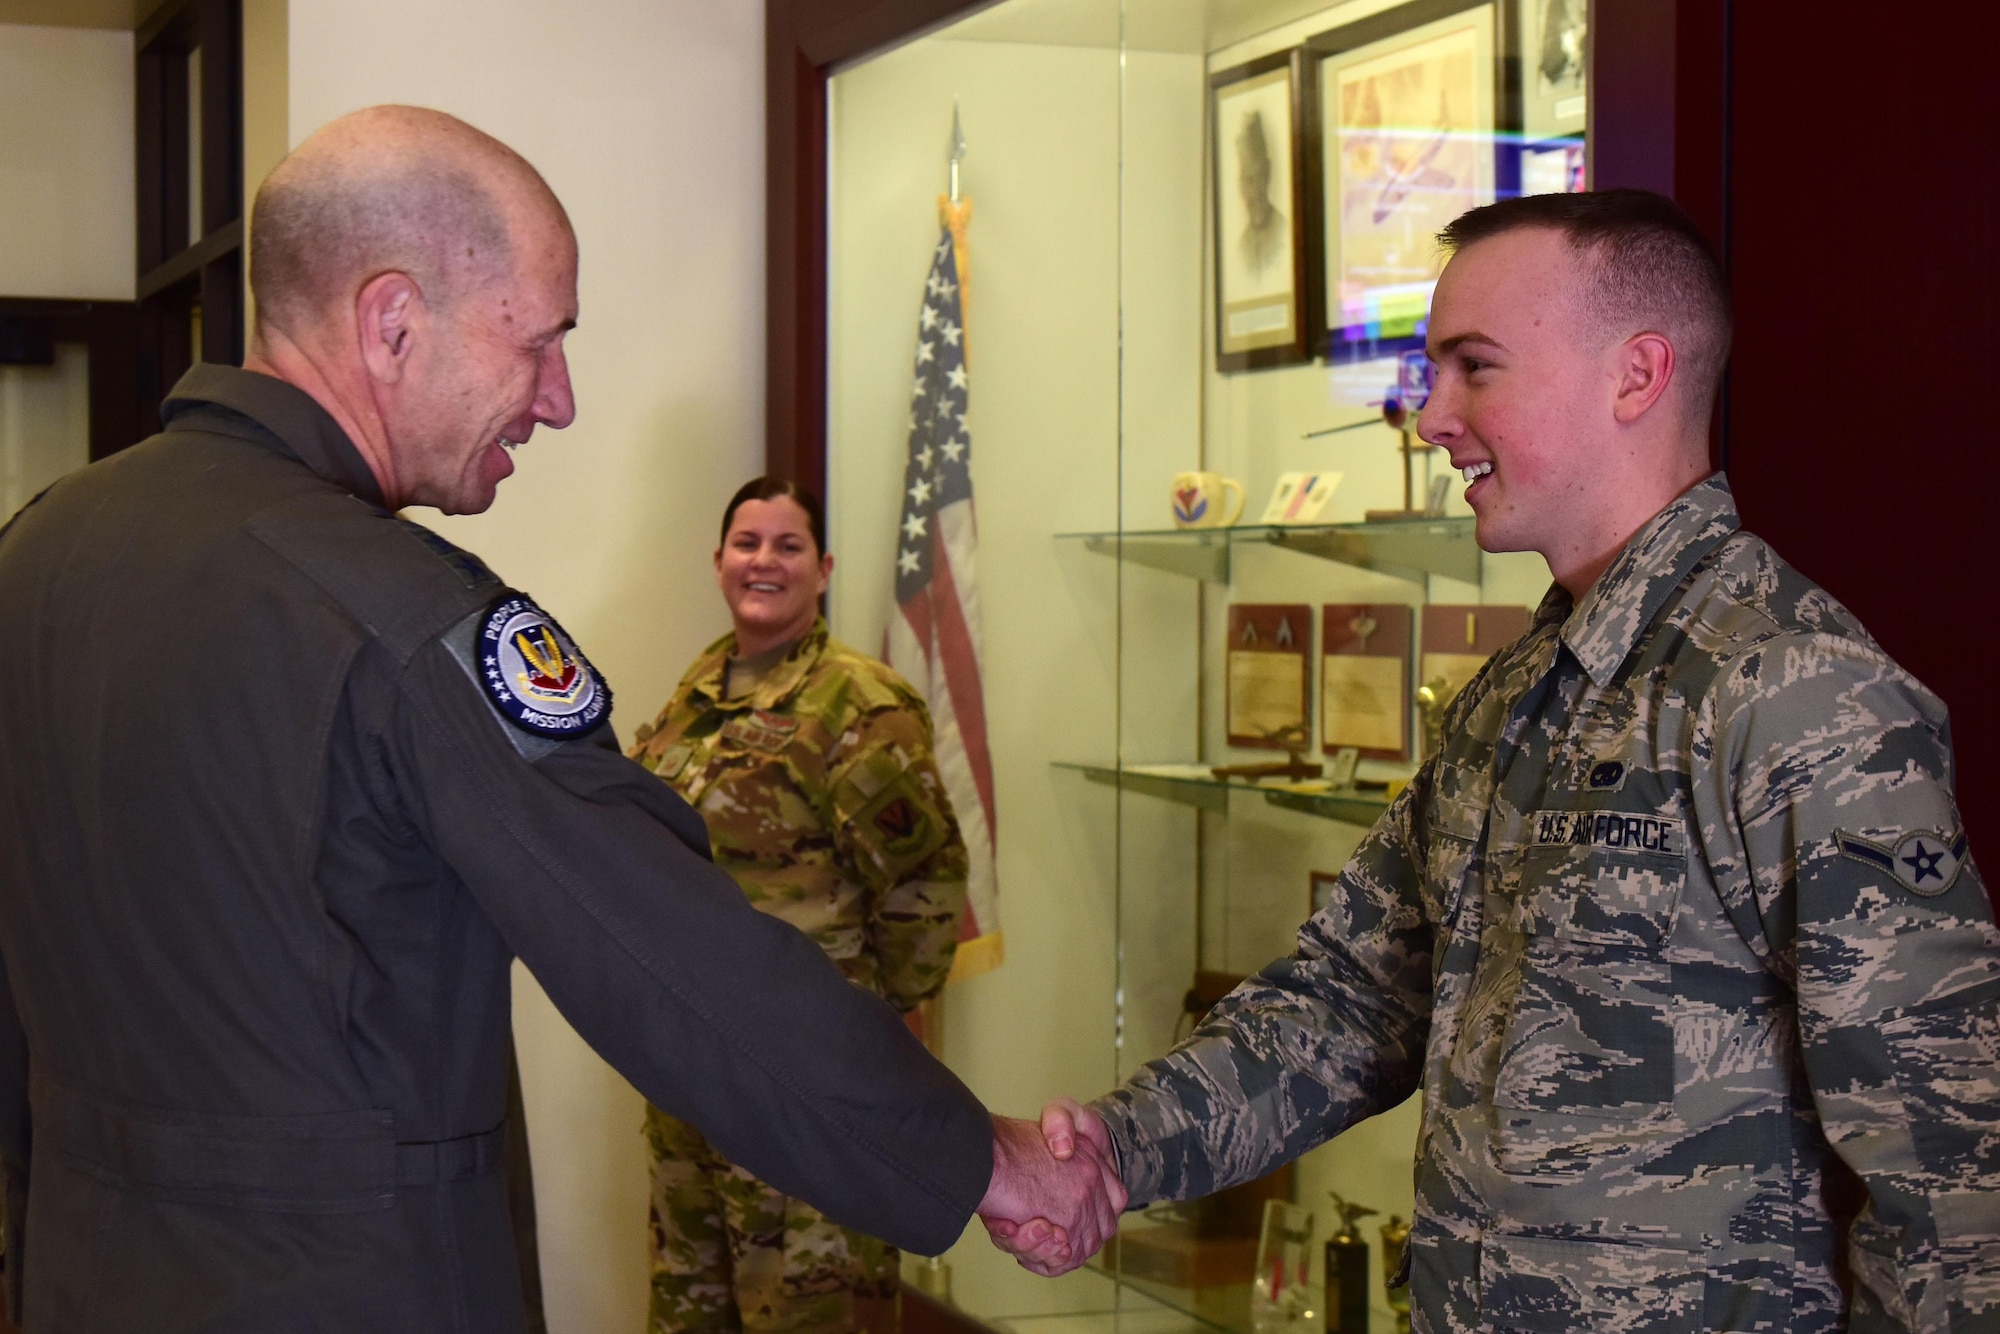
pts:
[535, 674]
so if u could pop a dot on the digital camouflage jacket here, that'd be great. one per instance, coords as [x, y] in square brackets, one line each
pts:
[1681, 914]
[823, 799]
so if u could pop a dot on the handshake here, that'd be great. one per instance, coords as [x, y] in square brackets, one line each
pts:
[1055, 1195]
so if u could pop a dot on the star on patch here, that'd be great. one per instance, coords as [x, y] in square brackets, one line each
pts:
[1926, 863]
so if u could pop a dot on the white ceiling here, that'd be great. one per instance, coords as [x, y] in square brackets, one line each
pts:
[124, 14]
[1193, 26]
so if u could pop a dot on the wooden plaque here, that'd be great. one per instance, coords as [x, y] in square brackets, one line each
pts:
[1268, 687]
[1459, 639]
[1364, 679]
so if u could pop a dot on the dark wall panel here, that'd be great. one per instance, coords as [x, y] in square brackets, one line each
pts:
[1863, 174]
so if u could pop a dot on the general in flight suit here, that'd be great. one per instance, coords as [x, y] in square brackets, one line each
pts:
[287, 782]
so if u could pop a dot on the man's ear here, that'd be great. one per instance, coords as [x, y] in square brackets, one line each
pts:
[1643, 370]
[389, 315]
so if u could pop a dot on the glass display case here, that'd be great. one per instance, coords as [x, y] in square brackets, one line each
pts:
[1220, 587]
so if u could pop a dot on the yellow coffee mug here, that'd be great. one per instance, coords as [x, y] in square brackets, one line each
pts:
[1199, 500]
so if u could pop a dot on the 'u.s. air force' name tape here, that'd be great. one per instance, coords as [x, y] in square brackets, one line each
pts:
[1925, 862]
[1611, 829]
[535, 674]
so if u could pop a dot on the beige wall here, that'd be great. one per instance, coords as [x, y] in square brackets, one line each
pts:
[266, 104]
[647, 118]
[67, 210]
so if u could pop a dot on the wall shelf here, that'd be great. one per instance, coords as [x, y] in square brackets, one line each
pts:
[1193, 785]
[1407, 548]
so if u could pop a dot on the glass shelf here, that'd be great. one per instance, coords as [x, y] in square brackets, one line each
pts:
[1408, 548]
[1193, 785]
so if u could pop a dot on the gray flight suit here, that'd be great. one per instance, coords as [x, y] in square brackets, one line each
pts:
[270, 845]
[1681, 934]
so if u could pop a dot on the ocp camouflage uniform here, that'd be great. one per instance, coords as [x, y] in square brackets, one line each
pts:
[1680, 919]
[822, 798]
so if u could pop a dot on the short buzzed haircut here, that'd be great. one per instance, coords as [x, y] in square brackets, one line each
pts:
[388, 189]
[1648, 267]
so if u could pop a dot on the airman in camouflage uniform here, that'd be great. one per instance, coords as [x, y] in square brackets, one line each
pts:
[822, 798]
[1678, 928]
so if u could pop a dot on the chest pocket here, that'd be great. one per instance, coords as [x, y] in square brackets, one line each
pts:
[1453, 860]
[1591, 1032]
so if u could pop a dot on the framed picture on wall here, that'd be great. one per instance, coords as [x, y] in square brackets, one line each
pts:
[1259, 204]
[1404, 103]
[1554, 42]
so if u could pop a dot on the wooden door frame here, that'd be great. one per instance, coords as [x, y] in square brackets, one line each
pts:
[805, 43]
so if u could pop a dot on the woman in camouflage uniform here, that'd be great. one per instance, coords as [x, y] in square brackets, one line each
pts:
[812, 766]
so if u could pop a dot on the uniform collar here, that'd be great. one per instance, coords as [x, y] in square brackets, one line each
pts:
[707, 675]
[1607, 622]
[286, 413]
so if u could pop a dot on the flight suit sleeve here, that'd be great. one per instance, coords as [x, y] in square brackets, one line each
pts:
[1311, 1045]
[596, 874]
[1829, 822]
[14, 1141]
[894, 827]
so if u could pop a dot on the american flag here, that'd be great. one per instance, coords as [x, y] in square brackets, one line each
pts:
[933, 639]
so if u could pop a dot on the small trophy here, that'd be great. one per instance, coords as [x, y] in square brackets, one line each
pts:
[1433, 697]
[1280, 1301]
[1347, 1271]
[1396, 1240]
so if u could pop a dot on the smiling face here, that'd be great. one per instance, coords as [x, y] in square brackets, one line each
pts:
[771, 572]
[492, 370]
[1523, 396]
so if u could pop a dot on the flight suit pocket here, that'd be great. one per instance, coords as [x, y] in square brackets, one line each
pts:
[1591, 1032]
[1553, 1285]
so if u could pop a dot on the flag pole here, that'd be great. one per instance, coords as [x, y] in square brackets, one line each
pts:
[955, 212]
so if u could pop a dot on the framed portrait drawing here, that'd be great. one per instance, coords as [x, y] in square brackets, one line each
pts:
[1259, 206]
[1405, 141]
[1554, 41]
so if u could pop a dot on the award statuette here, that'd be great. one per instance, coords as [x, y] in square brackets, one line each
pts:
[1395, 1241]
[1347, 1279]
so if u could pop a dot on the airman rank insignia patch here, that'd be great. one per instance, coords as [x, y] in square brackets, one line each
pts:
[1925, 863]
[535, 674]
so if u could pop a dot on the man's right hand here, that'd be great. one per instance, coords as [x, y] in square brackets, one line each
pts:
[1051, 1211]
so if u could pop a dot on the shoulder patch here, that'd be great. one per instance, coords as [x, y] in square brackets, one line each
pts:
[1926, 863]
[534, 673]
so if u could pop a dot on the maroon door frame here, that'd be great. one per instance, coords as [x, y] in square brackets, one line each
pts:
[1855, 421]
[805, 42]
